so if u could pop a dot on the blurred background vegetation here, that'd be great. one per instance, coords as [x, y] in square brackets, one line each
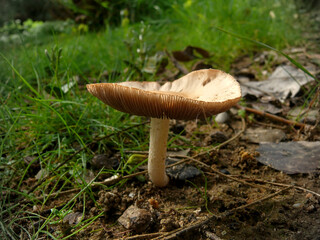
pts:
[98, 35]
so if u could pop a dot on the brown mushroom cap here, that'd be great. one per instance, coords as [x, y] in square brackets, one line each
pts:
[198, 94]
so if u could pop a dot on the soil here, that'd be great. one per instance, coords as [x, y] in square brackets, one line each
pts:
[203, 207]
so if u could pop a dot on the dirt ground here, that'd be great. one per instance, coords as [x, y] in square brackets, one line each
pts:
[211, 205]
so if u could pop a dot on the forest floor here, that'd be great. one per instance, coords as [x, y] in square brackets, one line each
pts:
[236, 189]
[253, 174]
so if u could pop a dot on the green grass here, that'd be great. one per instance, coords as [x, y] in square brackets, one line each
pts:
[40, 123]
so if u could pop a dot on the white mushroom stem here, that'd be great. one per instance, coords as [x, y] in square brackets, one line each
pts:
[157, 151]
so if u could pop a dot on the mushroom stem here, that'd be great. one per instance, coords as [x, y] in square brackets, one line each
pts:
[157, 151]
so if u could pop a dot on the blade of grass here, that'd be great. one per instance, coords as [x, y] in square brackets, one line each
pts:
[20, 76]
[9, 131]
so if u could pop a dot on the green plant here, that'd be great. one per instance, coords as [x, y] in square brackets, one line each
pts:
[97, 13]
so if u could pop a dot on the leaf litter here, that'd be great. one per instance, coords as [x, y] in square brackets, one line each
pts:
[291, 157]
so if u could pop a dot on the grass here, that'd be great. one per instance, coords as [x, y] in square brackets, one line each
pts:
[40, 126]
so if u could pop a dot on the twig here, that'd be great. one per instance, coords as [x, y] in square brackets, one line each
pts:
[235, 179]
[284, 185]
[177, 64]
[274, 117]
[145, 236]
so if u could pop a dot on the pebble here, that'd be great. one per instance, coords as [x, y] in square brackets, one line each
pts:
[222, 117]
[224, 171]
[73, 218]
[297, 205]
[182, 172]
[311, 208]
[218, 137]
[136, 219]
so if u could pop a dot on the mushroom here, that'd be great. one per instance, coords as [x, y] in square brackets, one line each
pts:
[199, 94]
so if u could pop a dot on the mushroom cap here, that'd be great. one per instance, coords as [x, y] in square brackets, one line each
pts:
[199, 94]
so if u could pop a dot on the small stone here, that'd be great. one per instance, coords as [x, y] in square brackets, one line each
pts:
[222, 117]
[136, 219]
[182, 172]
[224, 171]
[168, 225]
[297, 205]
[73, 218]
[218, 137]
[311, 208]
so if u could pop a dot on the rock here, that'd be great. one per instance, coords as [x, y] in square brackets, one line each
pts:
[218, 137]
[73, 218]
[168, 225]
[224, 171]
[136, 219]
[311, 209]
[297, 205]
[182, 172]
[260, 135]
[222, 117]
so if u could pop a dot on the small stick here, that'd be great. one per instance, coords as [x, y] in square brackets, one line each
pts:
[145, 236]
[177, 64]
[274, 117]
[284, 185]
[235, 179]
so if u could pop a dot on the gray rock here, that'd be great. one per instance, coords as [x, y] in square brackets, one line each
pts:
[182, 172]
